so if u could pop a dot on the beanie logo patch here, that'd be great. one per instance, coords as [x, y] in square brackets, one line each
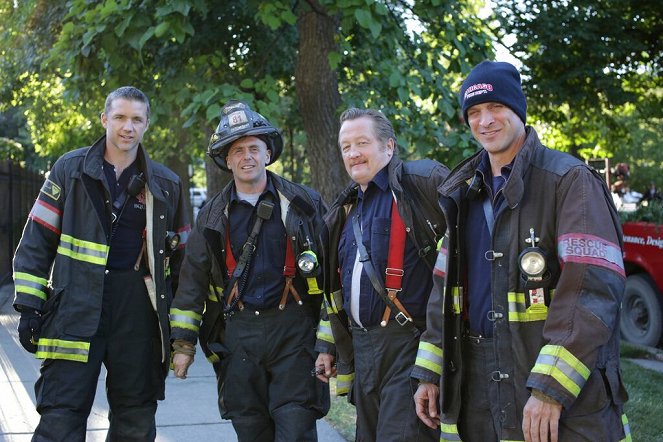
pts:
[477, 89]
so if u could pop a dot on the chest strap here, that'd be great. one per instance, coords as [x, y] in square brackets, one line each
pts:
[289, 272]
[394, 270]
[238, 272]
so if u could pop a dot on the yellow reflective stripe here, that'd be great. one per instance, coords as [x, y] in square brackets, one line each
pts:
[30, 285]
[214, 358]
[86, 251]
[429, 357]
[343, 383]
[185, 319]
[325, 332]
[61, 349]
[449, 432]
[627, 429]
[457, 299]
[563, 366]
[313, 288]
[518, 312]
[213, 291]
[336, 297]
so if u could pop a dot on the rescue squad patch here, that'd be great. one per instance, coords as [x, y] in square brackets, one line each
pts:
[51, 189]
[590, 249]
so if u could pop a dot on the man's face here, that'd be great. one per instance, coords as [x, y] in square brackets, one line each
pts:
[497, 128]
[247, 158]
[363, 154]
[125, 123]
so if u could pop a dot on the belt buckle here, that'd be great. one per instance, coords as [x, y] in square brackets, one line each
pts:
[401, 319]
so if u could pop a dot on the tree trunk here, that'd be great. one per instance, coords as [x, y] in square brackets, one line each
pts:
[317, 92]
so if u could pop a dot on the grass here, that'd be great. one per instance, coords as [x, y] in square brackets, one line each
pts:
[341, 414]
[644, 386]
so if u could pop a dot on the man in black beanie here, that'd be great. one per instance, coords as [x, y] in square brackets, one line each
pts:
[522, 339]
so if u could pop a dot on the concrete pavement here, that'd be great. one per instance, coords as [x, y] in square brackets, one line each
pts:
[188, 413]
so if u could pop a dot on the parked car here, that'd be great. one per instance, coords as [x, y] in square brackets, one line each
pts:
[198, 196]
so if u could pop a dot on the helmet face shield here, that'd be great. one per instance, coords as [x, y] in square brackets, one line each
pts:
[239, 120]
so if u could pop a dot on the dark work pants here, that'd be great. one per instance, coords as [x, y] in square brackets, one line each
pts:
[128, 344]
[480, 410]
[265, 383]
[383, 390]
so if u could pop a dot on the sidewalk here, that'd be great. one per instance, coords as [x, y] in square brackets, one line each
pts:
[188, 413]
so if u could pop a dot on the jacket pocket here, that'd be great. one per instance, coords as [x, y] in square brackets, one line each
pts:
[594, 396]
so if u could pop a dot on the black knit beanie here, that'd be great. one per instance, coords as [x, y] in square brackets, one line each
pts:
[493, 81]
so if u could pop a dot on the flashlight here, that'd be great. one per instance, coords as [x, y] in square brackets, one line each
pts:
[172, 240]
[307, 262]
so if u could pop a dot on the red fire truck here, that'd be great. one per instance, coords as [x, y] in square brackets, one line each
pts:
[642, 306]
[642, 314]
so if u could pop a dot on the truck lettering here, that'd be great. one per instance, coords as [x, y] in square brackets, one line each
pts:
[657, 242]
[634, 239]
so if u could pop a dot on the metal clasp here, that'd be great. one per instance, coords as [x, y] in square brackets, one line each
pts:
[492, 255]
[402, 319]
[498, 376]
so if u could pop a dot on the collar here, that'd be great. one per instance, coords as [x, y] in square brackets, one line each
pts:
[380, 180]
[269, 188]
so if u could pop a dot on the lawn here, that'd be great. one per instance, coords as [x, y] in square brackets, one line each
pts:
[644, 408]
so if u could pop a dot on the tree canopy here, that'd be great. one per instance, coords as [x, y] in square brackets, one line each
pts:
[591, 71]
[592, 75]
[300, 63]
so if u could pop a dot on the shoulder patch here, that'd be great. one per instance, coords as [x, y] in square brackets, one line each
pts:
[51, 189]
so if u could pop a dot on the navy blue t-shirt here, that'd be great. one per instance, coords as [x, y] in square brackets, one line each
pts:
[478, 241]
[374, 209]
[128, 229]
[264, 281]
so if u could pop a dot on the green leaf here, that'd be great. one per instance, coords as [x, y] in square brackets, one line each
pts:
[161, 29]
[334, 59]
[364, 18]
[213, 112]
[288, 17]
[146, 36]
[395, 78]
[247, 83]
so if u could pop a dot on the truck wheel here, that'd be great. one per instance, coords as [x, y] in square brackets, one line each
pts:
[641, 316]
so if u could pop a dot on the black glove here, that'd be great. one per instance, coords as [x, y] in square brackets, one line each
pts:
[29, 328]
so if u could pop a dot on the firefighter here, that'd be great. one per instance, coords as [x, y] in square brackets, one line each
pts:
[95, 272]
[522, 340]
[380, 238]
[249, 289]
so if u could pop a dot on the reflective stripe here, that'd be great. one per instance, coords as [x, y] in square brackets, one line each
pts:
[61, 349]
[335, 298]
[214, 358]
[213, 293]
[343, 383]
[185, 319]
[86, 251]
[627, 429]
[47, 215]
[589, 249]
[313, 288]
[560, 364]
[184, 233]
[457, 299]
[440, 268]
[325, 332]
[449, 432]
[429, 356]
[30, 285]
[518, 311]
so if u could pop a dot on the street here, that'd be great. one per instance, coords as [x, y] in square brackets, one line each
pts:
[189, 412]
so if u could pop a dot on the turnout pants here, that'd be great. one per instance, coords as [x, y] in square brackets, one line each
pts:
[127, 342]
[265, 384]
[383, 390]
[481, 413]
